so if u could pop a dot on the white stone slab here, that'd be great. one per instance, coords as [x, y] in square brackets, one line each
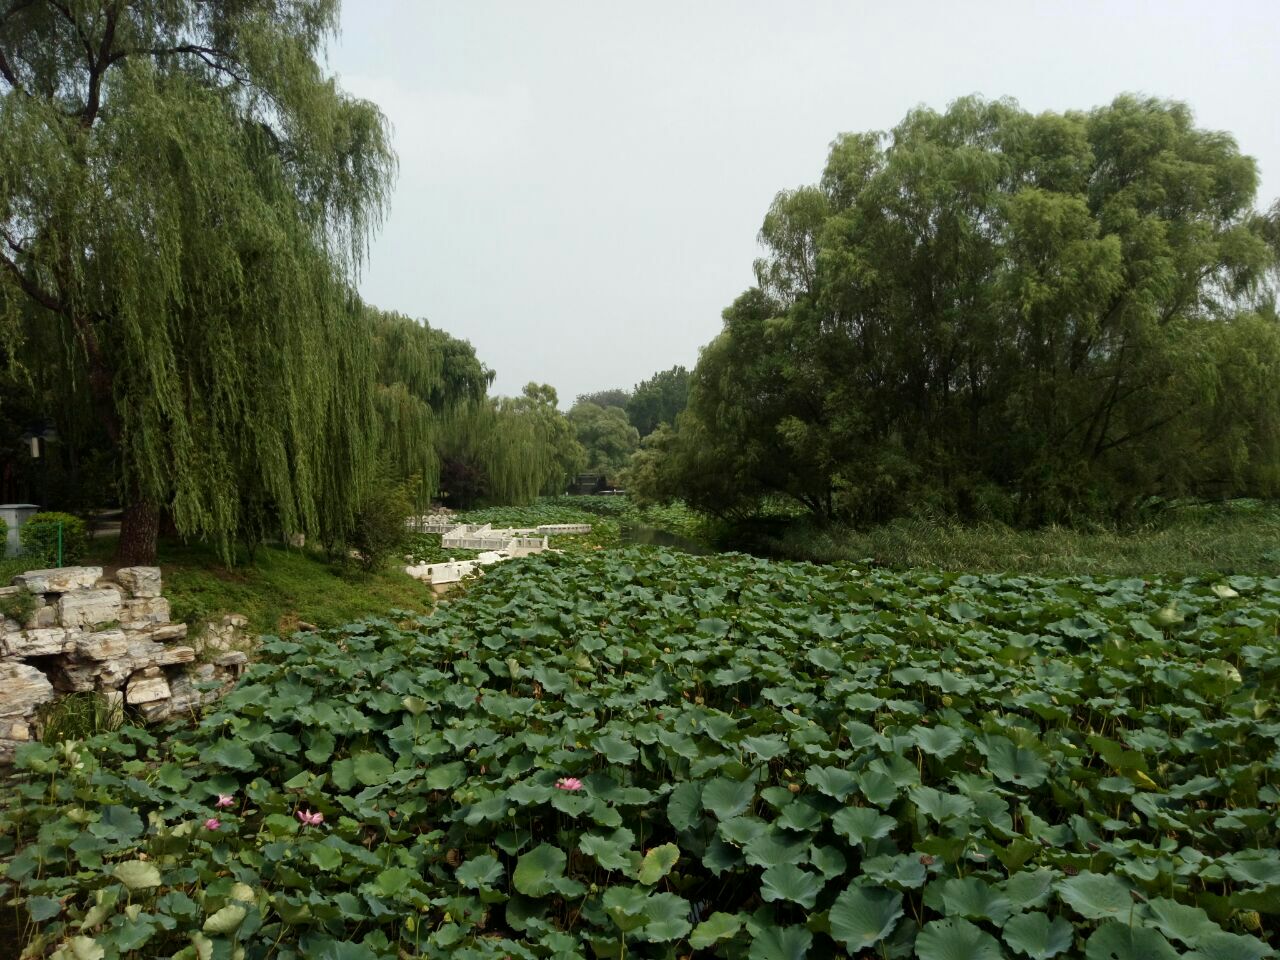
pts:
[88, 608]
[60, 580]
[22, 689]
[140, 581]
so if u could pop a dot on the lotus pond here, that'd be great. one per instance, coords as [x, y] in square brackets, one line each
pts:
[650, 754]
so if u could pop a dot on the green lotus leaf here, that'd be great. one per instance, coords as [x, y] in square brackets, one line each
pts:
[940, 806]
[1221, 945]
[832, 781]
[611, 851]
[940, 742]
[615, 749]
[1037, 936]
[326, 858]
[1012, 763]
[1115, 940]
[956, 939]
[446, 776]
[970, 897]
[667, 918]
[719, 926]
[537, 871]
[780, 943]
[394, 881]
[372, 769]
[480, 872]
[117, 823]
[137, 874]
[626, 907]
[860, 824]
[1096, 896]
[1179, 921]
[226, 920]
[86, 948]
[657, 863]
[800, 816]
[766, 747]
[774, 846]
[231, 754]
[895, 870]
[44, 908]
[1261, 870]
[789, 882]
[683, 806]
[861, 917]
[1029, 888]
[727, 798]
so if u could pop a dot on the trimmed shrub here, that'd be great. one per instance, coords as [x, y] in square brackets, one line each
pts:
[39, 537]
[380, 530]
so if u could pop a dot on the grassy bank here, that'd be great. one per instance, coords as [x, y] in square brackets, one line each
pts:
[279, 587]
[1237, 538]
[275, 588]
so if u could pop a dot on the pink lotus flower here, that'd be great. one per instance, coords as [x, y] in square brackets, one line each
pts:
[310, 818]
[225, 800]
[213, 823]
[568, 783]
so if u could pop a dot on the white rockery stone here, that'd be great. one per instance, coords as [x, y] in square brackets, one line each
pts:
[146, 689]
[89, 608]
[140, 582]
[144, 610]
[23, 688]
[36, 643]
[104, 645]
[60, 580]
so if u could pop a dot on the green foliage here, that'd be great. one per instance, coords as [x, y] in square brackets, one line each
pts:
[40, 534]
[1186, 540]
[18, 606]
[508, 450]
[606, 435]
[762, 765]
[77, 716]
[188, 197]
[605, 398]
[275, 588]
[997, 315]
[658, 400]
[424, 377]
[379, 533]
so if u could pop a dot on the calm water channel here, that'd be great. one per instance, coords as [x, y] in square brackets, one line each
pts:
[653, 537]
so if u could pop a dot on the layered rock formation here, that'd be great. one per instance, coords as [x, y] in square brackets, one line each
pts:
[81, 633]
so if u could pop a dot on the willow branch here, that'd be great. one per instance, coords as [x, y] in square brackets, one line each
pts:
[29, 286]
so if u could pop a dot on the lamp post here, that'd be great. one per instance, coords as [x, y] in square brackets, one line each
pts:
[37, 439]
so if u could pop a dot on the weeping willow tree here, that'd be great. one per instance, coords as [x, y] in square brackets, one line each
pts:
[184, 200]
[508, 450]
[427, 380]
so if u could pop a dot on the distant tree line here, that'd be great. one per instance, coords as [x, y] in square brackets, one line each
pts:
[612, 424]
[990, 313]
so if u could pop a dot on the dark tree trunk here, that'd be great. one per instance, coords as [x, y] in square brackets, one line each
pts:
[139, 529]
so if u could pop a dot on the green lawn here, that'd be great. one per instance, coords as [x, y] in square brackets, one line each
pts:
[279, 587]
[275, 589]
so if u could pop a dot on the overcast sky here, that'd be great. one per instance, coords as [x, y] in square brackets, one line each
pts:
[581, 184]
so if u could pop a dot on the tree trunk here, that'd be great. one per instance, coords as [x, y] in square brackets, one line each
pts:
[139, 528]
